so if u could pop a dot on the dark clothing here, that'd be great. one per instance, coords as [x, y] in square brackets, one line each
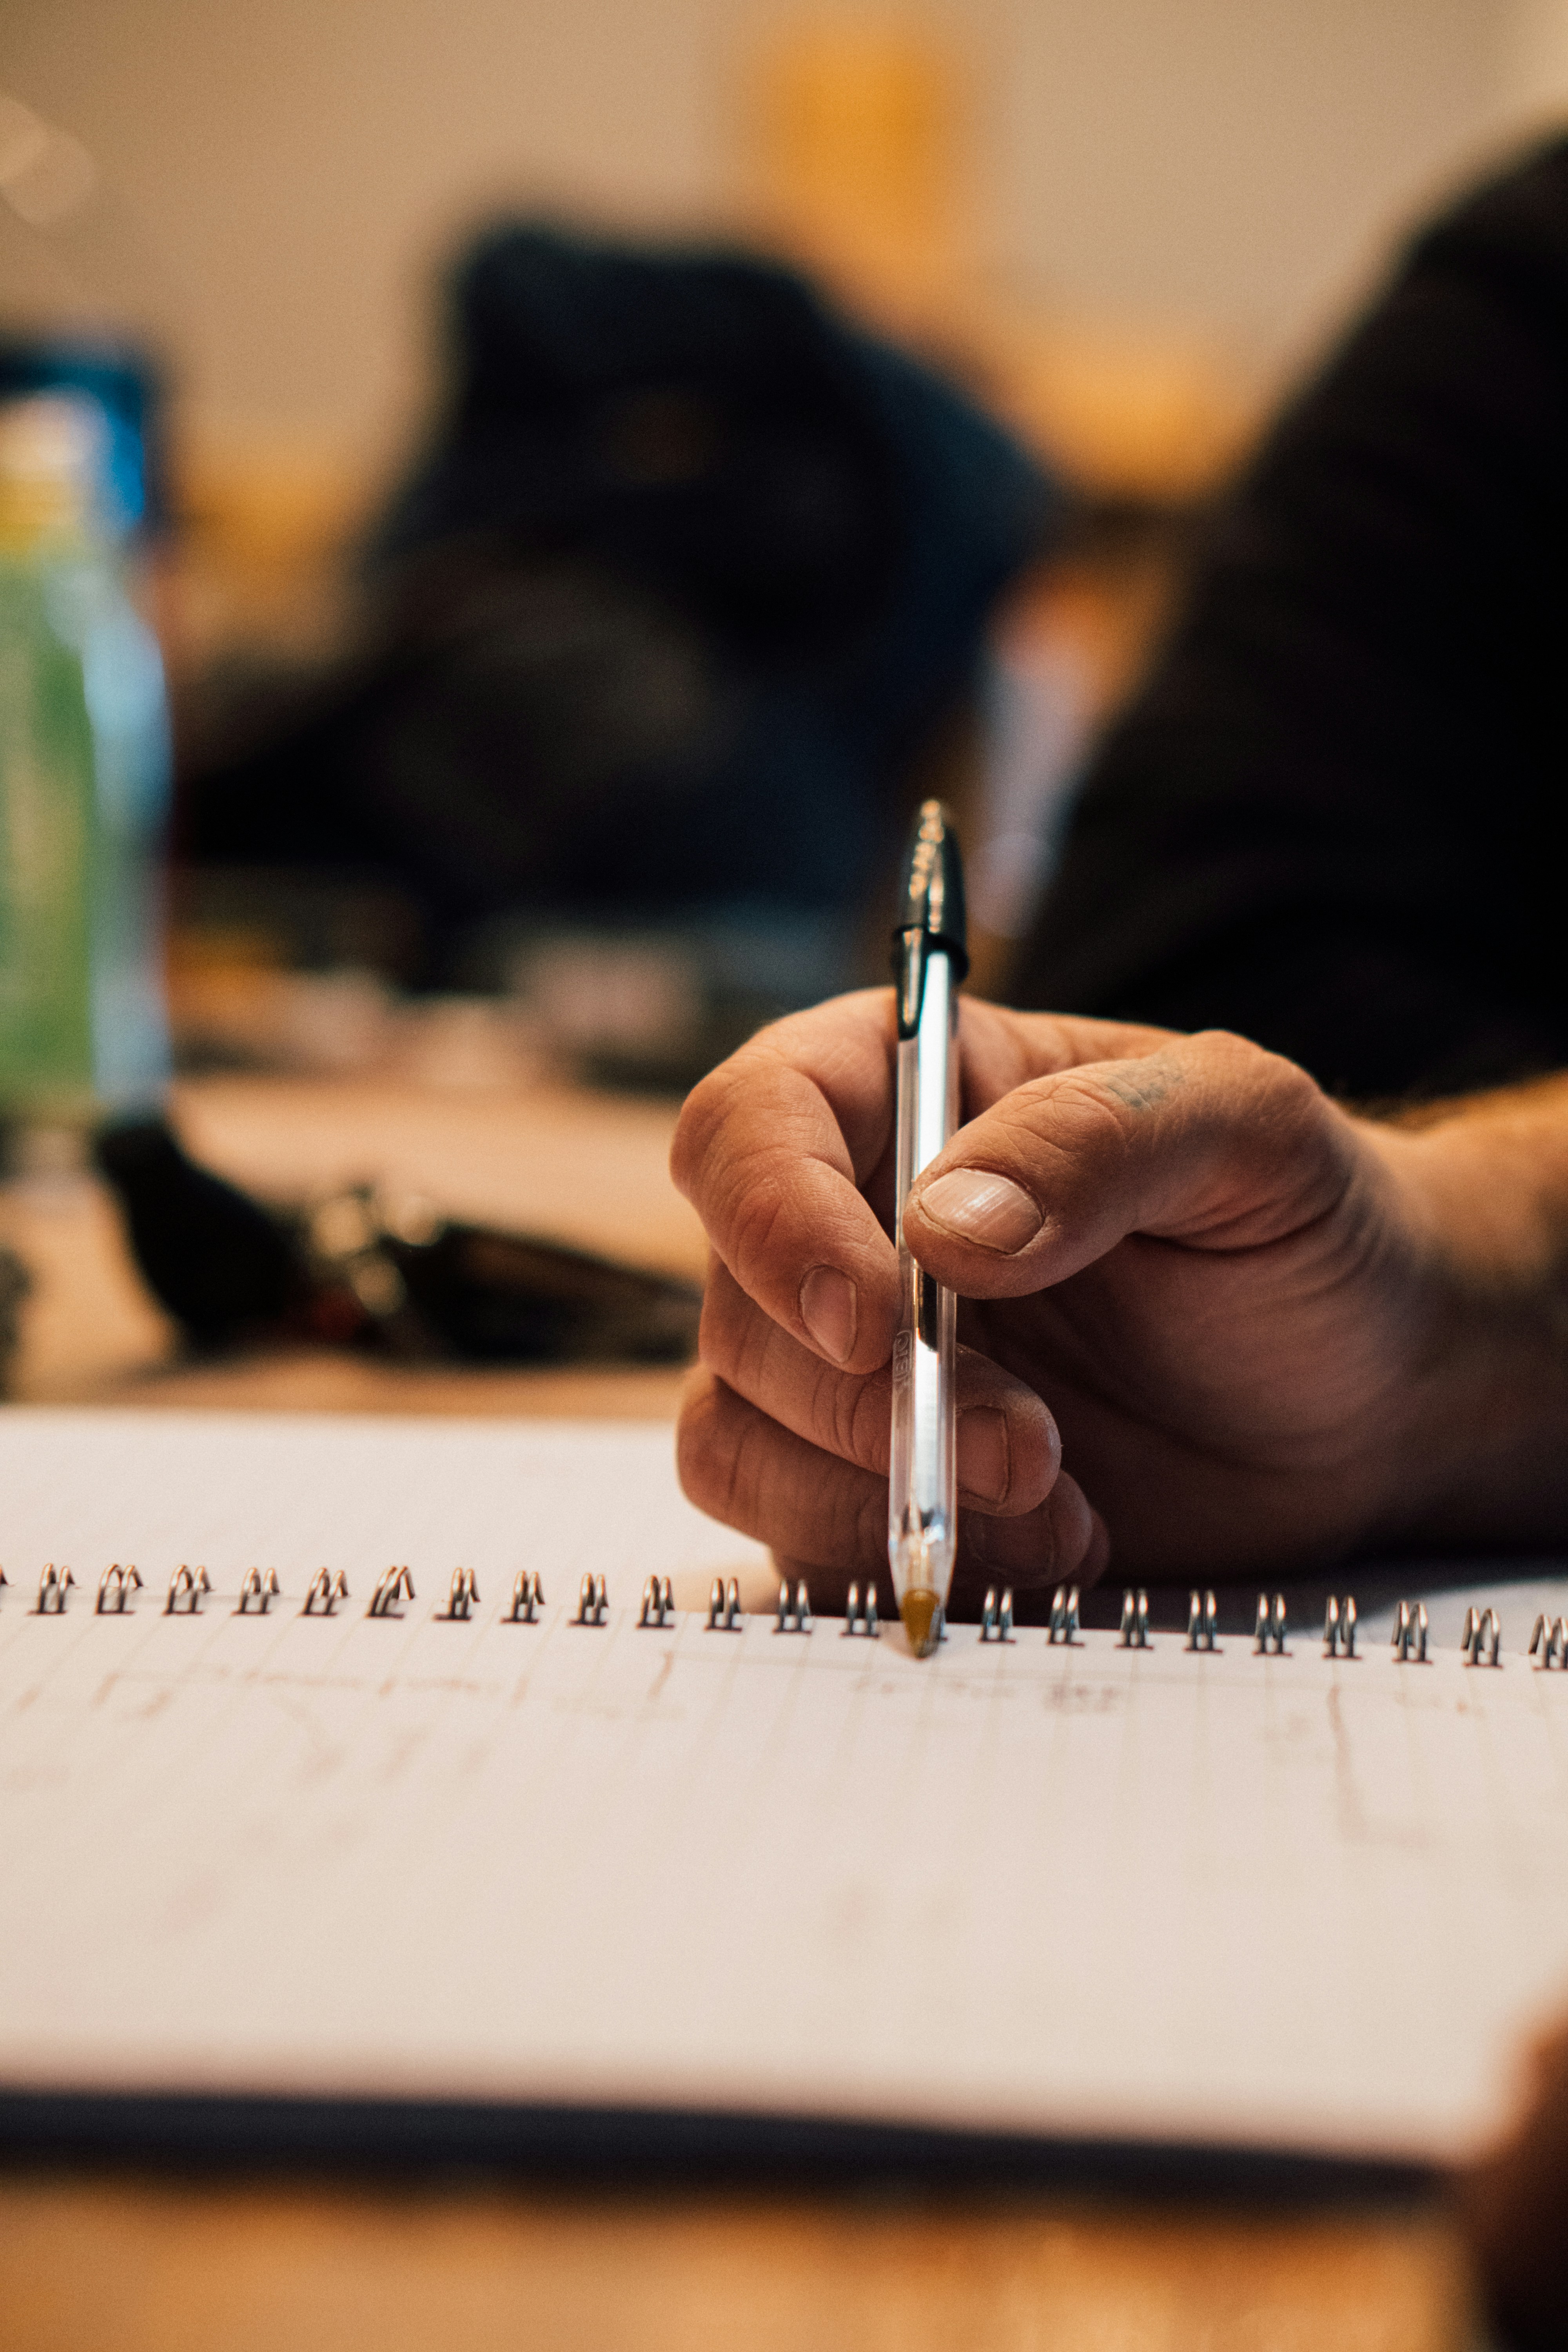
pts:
[1326, 821]
[686, 574]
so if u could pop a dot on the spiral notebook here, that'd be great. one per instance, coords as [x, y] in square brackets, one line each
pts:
[430, 1774]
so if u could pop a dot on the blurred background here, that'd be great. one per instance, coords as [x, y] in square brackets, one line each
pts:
[1118, 230]
[590, 470]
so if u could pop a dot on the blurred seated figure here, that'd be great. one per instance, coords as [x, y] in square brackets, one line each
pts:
[687, 578]
[1326, 820]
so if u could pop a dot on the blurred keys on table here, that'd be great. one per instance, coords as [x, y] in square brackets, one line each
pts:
[586, 1168]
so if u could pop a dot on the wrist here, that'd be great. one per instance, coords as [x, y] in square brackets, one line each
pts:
[1481, 1195]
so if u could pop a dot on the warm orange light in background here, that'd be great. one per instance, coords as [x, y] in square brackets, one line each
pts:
[855, 148]
[858, 158]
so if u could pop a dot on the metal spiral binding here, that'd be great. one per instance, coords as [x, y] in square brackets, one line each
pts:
[1550, 1642]
[1482, 1637]
[460, 1599]
[658, 1602]
[794, 1616]
[1270, 1629]
[527, 1598]
[53, 1585]
[325, 1592]
[392, 1585]
[1339, 1627]
[1410, 1633]
[1063, 1625]
[262, 1590]
[724, 1614]
[185, 1589]
[997, 1616]
[592, 1601]
[1203, 1622]
[115, 1587]
[862, 1620]
[1134, 1633]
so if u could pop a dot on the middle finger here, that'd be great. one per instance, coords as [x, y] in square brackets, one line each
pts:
[1009, 1452]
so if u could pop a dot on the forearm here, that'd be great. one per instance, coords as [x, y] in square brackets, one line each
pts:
[1485, 1182]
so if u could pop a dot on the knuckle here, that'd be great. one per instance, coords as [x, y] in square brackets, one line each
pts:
[726, 1459]
[867, 1436]
[1071, 1124]
[1296, 1096]
[836, 1413]
[1225, 1055]
[1284, 1103]
[1098, 1103]
[701, 1118]
[741, 1194]
[740, 1342]
[755, 1205]
[741, 1345]
[704, 1447]
[745, 1464]
[717, 1337]
[869, 1540]
[1047, 1532]
[703, 1148]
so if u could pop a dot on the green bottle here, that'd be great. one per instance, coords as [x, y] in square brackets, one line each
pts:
[84, 779]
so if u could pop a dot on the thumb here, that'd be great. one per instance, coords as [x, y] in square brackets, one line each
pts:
[1208, 1141]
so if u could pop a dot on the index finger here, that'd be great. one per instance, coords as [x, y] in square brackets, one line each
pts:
[773, 1150]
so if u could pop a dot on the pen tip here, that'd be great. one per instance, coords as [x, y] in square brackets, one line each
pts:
[921, 1613]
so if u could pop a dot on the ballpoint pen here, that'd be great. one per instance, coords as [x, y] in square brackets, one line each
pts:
[930, 960]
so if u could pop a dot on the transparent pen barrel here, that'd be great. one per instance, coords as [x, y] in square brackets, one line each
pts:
[923, 1487]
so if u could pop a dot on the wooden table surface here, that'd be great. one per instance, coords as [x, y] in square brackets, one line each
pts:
[140, 2261]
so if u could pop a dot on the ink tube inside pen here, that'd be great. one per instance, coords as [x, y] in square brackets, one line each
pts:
[931, 958]
[922, 1493]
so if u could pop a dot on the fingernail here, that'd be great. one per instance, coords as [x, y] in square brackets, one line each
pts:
[829, 1310]
[982, 1207]
[983, 1467]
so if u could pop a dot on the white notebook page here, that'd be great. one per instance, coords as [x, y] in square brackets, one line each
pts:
[1255, 1901]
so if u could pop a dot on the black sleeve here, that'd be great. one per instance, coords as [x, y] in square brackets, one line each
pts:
[1327, 820]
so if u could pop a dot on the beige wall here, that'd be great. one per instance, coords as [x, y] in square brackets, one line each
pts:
[291, 166]
[1237, 163]
[1535, 59]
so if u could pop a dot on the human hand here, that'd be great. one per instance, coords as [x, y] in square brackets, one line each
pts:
[1214, 1284]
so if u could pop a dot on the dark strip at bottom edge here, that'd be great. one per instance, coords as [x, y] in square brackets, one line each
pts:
[638, 2146]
